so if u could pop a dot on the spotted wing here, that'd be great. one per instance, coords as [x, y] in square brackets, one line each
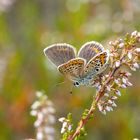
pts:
[72, 69]
[97, 64]
[90, 49]
[60, 53]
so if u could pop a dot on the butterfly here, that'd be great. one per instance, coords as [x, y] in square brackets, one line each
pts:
[83, 68]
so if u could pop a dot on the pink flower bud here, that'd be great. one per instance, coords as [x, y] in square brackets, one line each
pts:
[128, 74]
[108, 108]
[121, 45]
[136, 65]
[61, 119]
[114, 105]
[118, 92]
[124, 80]
[134, 33]
[104, 112]
[114, 97]
[129, 55]
[123, 86]
[129, 84]
[137, 50]
[100, 107]
[117, 63]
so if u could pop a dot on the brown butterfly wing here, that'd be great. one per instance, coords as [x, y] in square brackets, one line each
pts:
[60, 53]
[97, 64]
[73, 69]
[90, 49]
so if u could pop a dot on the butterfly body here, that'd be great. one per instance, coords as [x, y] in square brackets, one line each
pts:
[92, 60]
[86, 81]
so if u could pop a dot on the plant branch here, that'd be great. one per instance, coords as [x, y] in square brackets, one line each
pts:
[123, 52]
[98, 96]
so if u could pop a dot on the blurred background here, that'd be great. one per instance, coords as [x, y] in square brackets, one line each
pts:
[26, 28]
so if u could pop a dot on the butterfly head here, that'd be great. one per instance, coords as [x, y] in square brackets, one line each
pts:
[76, 84]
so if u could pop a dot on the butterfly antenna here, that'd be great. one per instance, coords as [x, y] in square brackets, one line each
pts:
[57, 85]
[60, 83]
[71, 91]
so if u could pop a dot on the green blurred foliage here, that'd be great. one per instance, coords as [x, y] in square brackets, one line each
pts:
[26, 28]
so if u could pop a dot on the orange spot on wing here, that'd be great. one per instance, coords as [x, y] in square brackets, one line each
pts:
[96, 50]
[102, 58]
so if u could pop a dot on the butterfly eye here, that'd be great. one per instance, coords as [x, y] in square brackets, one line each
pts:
[97, 69]
[76, 84]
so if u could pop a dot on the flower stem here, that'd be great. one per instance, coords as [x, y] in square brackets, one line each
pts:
[97, 98]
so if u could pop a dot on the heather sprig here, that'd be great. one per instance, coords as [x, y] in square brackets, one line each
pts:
[124, 57]
[66, 129]
[43, 110]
